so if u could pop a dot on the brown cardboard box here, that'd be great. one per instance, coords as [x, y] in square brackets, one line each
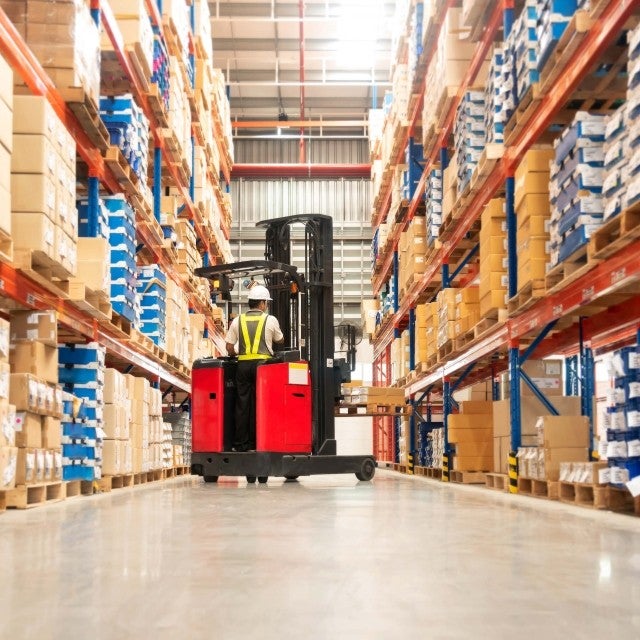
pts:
[111, 457]
[457, 435]
[93, 262]
[51, 433]
[5, 380]
[23, 392]
[140, 435]
[40, 467]
[5, 340]
[28, 429]
[531, 183]
[115, 419]
[49, 470]
[26, 466]
[34, 232]
[115, 387]
[6, 83]
[136, 459]
[547, 374]
[5, 210]
[6, 118]
[465, 421]
[501, 450]
[34, 154]
[482, 449]
[55, 13]
[34, 114]
[36, 358]
[556, 432]
[139, 412]
[533, 226]
[57, 466]
[533, 205]
[8, 467]
[530, 410]
[476, 406]
[535, 161]
[553, 457]
[138, 388]
[5, 173]
[33, 193]
[7, 424]
[34, 325]
[473, 463]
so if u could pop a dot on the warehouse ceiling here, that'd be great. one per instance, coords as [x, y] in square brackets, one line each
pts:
[345, 56]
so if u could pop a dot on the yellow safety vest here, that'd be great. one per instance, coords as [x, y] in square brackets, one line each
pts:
[252, 349]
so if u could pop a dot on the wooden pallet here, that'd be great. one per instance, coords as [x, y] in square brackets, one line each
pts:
[86, 111]
[538, 488]
[464, 340]
[467, 477]
[615, 234]
[29, 496]
[121, 170]
[445, 350]
[524, 112]
[583, 495]
[491, 155]
[492, 319]
[183, 470]
[121, 481]
[400, 468]
[156, 104]
[568, 271]
[120, 326]
[497, 481]
[376, 409]
[528, 295]
[41, 268]
[619, 500]
[94, 303]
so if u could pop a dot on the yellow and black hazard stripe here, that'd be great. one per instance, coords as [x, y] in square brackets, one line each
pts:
[445, 468]
[513, 472]
[410, 464]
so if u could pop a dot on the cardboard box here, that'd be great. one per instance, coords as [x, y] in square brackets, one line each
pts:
[8, 467]
[476, 407]
[535, 161]
[23, 392]
[5, 173]
[465, 421]
[551, 459]
[532, 205]
[5, 380]
[555, 432]
[57, 466]
[115, 387]
[5, 210]
[530, 410]
[28, 427]
[535, 225]
[36, 358]
[51, 433]
[138, 388]
[473, 463]
[111, 457]
[6, 83]
[34, 325]
[33, 193]
[40, 471]
[531, 183]
[94, 255]
[480, 449]
[49, 470]
[139, 435]
[457, 435]
[7, 424]
[115, 423]
[34, 154]
[26, 466]
[6, 118]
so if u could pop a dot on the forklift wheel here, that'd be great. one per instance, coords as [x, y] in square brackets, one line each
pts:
[210, 478]
[367, 470]
[263, 479]
[251, 479]
[291, 477]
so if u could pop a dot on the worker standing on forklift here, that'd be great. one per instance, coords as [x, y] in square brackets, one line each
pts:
[254, 332]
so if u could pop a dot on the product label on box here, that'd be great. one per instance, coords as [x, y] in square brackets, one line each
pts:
[634, 486]
[633, 419]
[633, 446]
[634, 390]
[9, 472]
[604, 476]
[617, 449]
[615, 397]
[617, 421]
[634, 361]
[619, 476]
[602, 448]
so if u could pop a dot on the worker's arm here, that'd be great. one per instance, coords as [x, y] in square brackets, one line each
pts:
[277, 337]
[232, 338]
[231, 350]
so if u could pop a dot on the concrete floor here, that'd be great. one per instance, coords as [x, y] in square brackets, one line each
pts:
[323, 558]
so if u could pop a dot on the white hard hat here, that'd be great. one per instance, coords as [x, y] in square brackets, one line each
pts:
[258, 292]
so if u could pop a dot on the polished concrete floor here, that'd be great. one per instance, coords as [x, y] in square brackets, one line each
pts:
[322, 558]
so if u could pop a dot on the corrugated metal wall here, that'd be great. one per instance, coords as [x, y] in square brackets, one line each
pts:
[347, 201]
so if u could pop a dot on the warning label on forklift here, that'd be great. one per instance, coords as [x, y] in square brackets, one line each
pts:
[298, 373]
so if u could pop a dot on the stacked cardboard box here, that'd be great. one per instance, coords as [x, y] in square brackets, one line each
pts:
[81, 372]
[167, 446]
[582, 472]
[469, 135]
[493, 258]
[424, 331]
[559, 439]
[6, 144]
[43, 186]
[118, 455]
[447, 68]
[471, 431]
[577, 175]
[176, 13]
[493, 111]
[177, 322]
[553, 17]
[446, 301]
[189, 257]
[617, 150]
[370, 312]
[450, 187]
[413, 247]
[533, 214]
[359, 394]
[400, 352]
[139, 391]
[433, 202]
[179, 113]
[152, 294]
[181, 433]
[8, 449]
[64, 38]
[467, 310]
[156, 430]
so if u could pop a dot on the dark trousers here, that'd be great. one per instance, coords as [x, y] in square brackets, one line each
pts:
[245, 434]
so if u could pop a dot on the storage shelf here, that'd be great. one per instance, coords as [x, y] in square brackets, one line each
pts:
[597, 283]
[24, 290]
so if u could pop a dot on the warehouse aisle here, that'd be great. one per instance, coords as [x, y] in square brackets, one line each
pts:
[322, 558]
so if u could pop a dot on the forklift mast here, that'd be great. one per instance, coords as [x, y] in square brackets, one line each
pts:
[316, 338]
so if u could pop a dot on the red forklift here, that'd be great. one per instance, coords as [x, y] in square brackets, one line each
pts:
[297, 389]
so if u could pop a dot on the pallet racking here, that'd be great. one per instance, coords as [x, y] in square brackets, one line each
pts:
[595, 309]
[78, 321]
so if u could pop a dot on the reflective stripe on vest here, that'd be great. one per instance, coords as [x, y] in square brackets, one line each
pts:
[252, 350]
